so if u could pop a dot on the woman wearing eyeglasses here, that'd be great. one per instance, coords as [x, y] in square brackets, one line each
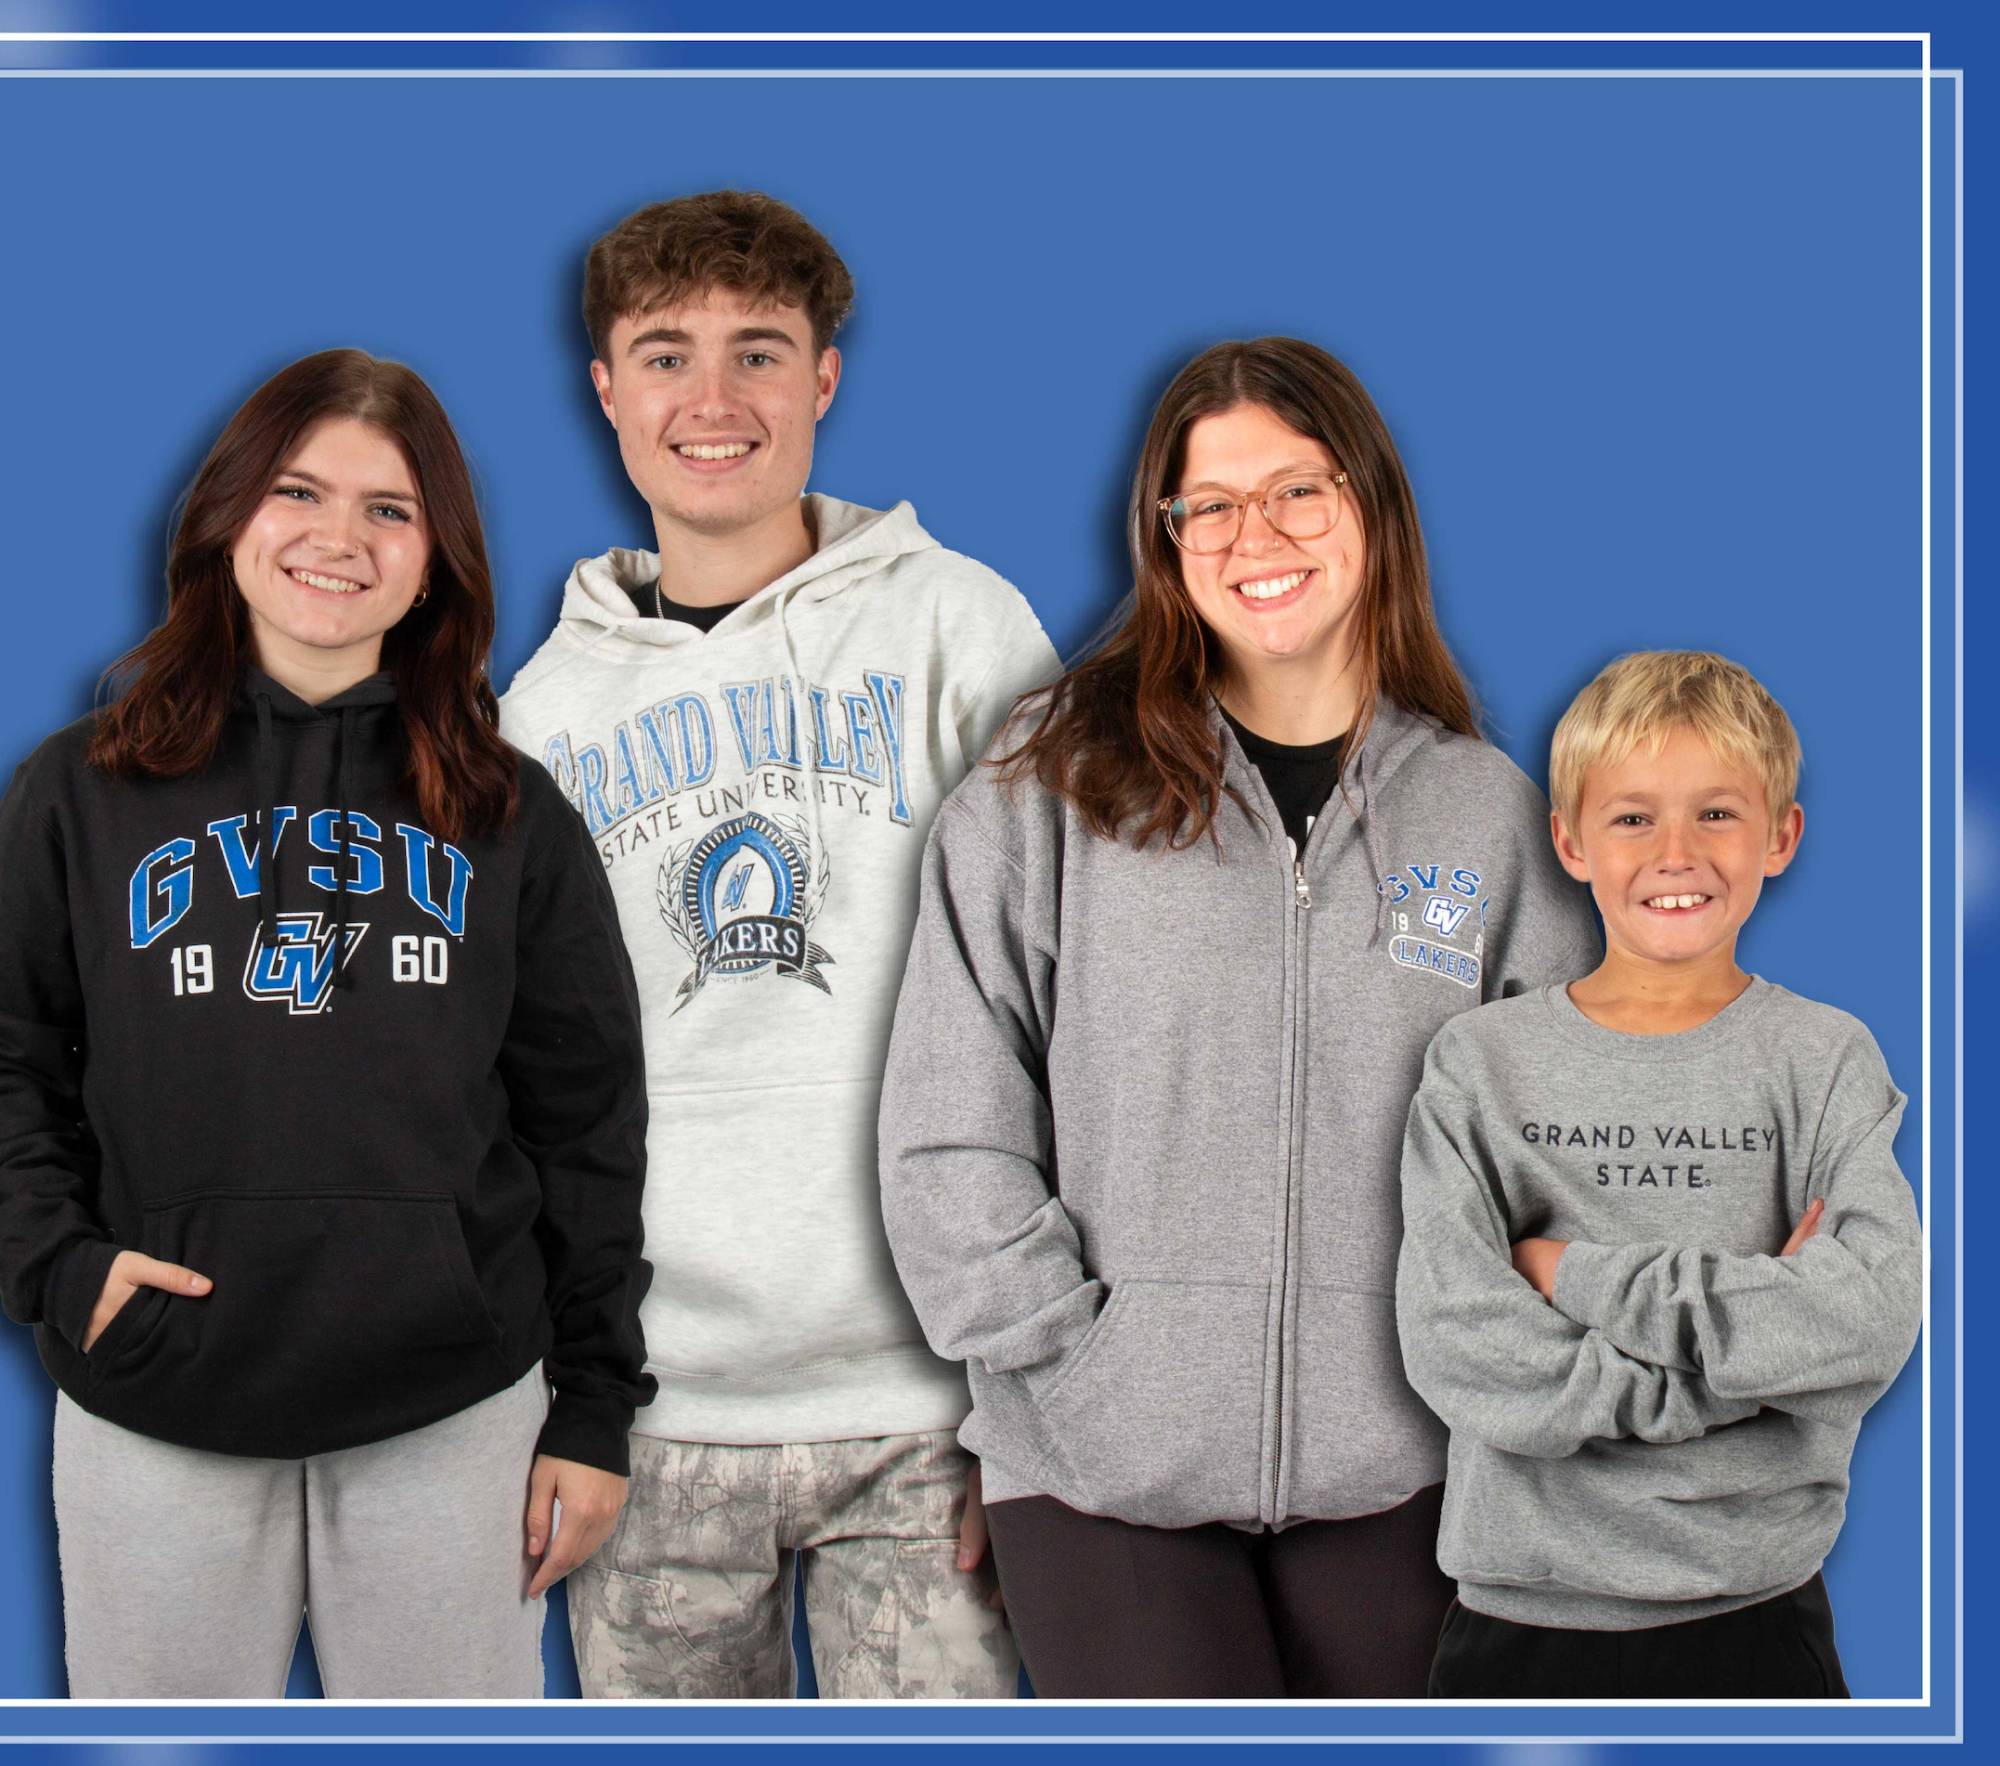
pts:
[1181, 947]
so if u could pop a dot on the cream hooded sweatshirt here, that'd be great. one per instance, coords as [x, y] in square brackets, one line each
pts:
[760, 796]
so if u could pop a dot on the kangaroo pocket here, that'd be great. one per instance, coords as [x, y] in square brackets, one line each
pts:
[764, 1225]
[335, 1318]
[1157, 1412]
[1359, 1439]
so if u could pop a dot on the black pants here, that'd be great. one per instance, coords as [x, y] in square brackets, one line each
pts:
[1324, 1609]
[1778, 1649]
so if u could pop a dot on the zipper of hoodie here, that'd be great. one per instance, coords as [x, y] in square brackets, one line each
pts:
[1301, 905]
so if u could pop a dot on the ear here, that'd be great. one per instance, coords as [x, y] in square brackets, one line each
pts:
[1568, 853]
[600, 377]
[1785, 839]
[826, 378]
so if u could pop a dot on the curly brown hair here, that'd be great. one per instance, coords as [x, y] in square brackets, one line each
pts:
[672, 252]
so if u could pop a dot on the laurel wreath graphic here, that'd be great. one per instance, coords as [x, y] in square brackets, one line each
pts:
[801, 832]
[670, 893]
[667, 892]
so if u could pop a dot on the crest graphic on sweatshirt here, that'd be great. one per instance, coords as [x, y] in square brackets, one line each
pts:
[1444, 933]
[743, 898]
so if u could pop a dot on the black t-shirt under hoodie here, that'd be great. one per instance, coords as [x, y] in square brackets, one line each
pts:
[652, 602]
[1300, 776]
[410, 1179]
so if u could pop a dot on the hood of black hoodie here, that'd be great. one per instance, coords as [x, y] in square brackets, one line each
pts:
[375, 689]
[370, 701]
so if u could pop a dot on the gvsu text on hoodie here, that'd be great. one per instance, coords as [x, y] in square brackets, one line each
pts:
[381, 1087]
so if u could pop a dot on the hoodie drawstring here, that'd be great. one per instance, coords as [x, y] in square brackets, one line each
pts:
[1362, 764]
[267, 856]
[1371, 835]
[343, 749]
[802, 713]
[269, 906]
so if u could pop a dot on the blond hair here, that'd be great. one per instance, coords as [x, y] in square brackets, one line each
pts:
[1645, 697]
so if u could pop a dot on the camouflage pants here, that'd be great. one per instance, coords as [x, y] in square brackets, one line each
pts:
[691, 1596]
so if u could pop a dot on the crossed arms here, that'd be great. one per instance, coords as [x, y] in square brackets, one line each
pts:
[1652, 1342]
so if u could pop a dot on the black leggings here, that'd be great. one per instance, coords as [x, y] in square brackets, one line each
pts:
[1780, 1648]
[1322, 1610]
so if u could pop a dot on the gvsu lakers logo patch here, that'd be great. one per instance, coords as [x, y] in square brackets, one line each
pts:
[1437, 921]
[742, 899]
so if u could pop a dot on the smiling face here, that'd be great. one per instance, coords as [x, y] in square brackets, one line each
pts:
[1274, 603]
[333, 556]
[1675, 847]
[714, 403]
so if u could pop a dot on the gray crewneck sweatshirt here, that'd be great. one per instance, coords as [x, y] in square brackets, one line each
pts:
[1143, 1112]
[1670, 1438]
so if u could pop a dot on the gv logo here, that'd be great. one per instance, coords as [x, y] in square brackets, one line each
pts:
[1445, 915]
[299, 968]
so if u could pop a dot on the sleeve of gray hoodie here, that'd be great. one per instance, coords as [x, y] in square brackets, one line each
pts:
[1482, 1348]
[1820, 1333]
[1548, 933]
[988, 1255]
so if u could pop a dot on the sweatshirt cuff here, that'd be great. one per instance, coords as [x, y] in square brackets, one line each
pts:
[1585, 1275]
[75, 1280]
[1048, 1338]
[592, 1431]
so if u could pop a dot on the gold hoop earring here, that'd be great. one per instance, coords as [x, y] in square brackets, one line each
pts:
[423, 592]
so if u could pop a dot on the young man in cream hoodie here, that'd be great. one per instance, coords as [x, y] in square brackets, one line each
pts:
[757, 723]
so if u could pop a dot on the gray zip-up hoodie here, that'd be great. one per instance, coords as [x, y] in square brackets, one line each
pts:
[1143, 1112]
[1669, 1439]
[759, 796]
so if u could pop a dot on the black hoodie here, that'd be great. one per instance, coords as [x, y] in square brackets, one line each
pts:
[409, 1179]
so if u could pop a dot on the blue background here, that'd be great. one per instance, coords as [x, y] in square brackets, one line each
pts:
[1650, 349]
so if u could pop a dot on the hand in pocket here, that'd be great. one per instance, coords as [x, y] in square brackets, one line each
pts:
[130, 1271]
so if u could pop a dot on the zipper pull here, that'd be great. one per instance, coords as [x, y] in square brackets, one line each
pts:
[1301, 891]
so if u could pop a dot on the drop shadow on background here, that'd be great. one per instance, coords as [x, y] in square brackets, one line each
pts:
[1114, 548]
[37, 1661]
[569, 342]
[146, 563]
[1532, 754]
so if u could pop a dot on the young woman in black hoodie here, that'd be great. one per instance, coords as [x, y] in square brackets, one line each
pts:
[321, 1102]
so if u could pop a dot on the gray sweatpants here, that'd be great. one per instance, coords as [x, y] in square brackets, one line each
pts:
[185, 1573]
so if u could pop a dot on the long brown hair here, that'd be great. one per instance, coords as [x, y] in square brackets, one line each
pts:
[1125, 735]
[173, 693]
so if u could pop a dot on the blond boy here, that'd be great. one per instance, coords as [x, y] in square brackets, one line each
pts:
[1658, 1256]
